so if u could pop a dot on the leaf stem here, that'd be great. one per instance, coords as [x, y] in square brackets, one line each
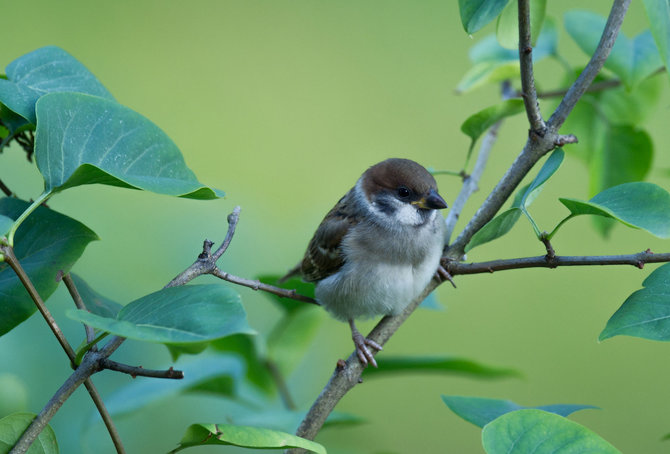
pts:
[40, 200]
[82, 351]
[558, 226]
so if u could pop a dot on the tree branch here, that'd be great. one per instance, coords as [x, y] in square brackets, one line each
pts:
[206, 264]
[104, 414]
[637, 260]
[3, 187]
[88, 367]
[76, 298]
[575, 92]
[471, 182]
[528, 92]
[9, 257]
[139, 371]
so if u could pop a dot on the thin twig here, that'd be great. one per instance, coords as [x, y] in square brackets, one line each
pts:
[232, 219]
[575, 92]
[529, 94]
[258, 285]
[87, 368]
[104, 414]
[278, 378]
[12, 261]
[537, 146]
[206, 264]
[139, 371]
[5, 189]
[637, 260]
[76, 297]
[471, 182]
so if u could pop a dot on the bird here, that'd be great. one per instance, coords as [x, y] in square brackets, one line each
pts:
[378, 248]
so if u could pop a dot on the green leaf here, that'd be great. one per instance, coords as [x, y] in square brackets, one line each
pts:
[13, 426]
[441, 365]
[638, 205]
[202, 374]
[480, 411]
[645, 313]
[5, 224]
[288, 421]
[503, 223]
[176, 315]
[494, 63]
[292, 336]
[46, 243]
[495, 228]
[46, 70]
[15, 123]
[625, 156]
[252, 349]
[94, 301]
[486, 73]
[475, 14]
[243, 436]
[540, 432]
[507, 28]
[83, 139]
[658, 12]
[478, 123]
[633, 60]
[549, 168]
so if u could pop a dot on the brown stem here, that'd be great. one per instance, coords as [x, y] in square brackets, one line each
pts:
[139, 371]
[528, 92]
[11, 260]
[79, 302]
[637, 260]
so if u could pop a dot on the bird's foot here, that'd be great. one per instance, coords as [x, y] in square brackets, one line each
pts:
[443, 275]
[365, 348]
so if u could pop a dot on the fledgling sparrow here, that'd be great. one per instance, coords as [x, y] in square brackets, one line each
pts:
[378, 248]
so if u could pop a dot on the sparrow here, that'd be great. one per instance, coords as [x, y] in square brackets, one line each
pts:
[378, 248]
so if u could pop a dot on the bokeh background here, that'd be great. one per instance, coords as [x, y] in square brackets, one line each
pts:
[282, 104]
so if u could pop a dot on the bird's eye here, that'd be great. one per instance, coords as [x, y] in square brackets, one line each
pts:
[403, 192]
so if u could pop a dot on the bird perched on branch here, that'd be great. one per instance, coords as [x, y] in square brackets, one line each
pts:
[378, 248]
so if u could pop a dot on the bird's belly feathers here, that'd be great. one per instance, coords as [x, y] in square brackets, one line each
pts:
[369, 288]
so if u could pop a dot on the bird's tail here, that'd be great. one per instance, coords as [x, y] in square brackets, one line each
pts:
[293, 272]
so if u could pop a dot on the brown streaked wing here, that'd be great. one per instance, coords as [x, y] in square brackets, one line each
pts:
[324, 255]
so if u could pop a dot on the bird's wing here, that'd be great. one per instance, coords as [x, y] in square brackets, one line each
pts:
[324, 254]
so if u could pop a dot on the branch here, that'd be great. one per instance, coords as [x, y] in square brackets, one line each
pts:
[3, 187]
[87, 368]
[471, 182]
[139, 371]
[575, 92]
[258, 285]
[528, 92]
[538, 145]
[637, 260]
[206, 264]
[76, 297]
[347, 373]
[104, 414]
[11, 260]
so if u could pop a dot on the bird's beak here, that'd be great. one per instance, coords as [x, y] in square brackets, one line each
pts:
[433, 201]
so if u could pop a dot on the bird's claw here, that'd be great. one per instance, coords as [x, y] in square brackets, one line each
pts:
[363, 352]
[443, 275]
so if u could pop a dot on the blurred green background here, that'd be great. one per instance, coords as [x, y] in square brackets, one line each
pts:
[283, 105]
